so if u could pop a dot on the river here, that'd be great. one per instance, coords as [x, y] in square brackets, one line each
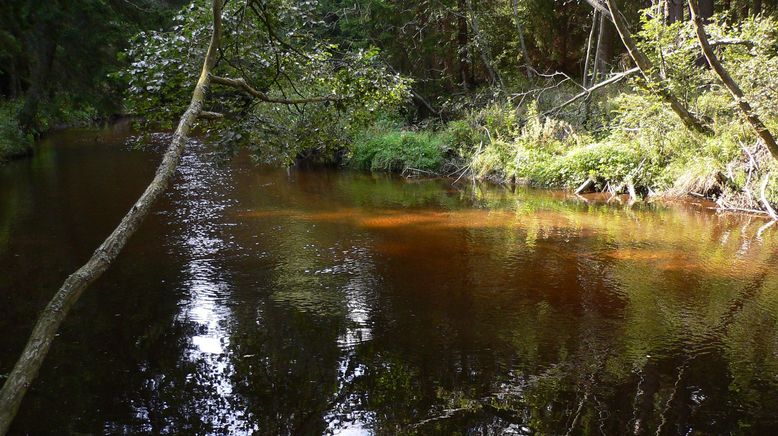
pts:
[311, 301]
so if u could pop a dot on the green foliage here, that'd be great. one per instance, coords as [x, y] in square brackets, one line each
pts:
[385, 148]
[60, 57]
[13, 141]
[280, 49]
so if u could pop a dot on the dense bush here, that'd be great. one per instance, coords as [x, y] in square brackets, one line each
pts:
[13, 141]
[386, 148]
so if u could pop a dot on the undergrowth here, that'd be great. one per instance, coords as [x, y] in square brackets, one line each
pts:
[624, 140]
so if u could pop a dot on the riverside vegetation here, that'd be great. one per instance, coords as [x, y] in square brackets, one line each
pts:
[622, 136]
[495, 107]
[522, 109]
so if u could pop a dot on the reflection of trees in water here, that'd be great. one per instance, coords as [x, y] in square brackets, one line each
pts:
[639, 353]
[556, 321]
[526, 314]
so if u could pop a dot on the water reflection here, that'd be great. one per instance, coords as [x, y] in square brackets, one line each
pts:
[315, 302]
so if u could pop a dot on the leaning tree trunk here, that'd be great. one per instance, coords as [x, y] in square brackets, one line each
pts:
[483, 48]
[26, 368]
[761, 130]
[589, 43]
[647, 69]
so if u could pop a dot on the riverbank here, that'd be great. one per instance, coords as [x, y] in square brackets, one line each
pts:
[626, 142]
[15, 143]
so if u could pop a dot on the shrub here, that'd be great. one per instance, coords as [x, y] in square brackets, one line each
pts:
[382, 148]
[13, 141]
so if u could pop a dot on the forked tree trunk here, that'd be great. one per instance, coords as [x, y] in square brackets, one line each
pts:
[761, 130]
[647, 69]
[26, 368]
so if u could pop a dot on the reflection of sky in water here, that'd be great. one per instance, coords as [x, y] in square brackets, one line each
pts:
[207, 287]
[358, 267]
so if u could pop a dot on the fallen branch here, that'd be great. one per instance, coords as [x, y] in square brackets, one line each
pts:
[26, 368]
[585, 185]
[586, 92]
[633, 196]
[211, 115]
[620, 76]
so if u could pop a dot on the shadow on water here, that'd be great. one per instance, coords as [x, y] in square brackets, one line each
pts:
[313, 301]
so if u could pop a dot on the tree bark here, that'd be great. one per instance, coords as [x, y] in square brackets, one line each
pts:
[26, 368]
[522, 43]
[43, 43]
[604, 53]
[673, 11]
[756, 9]
[706, 9]
[761, 130]
[589, 44]
[463, 49]
[647, 69]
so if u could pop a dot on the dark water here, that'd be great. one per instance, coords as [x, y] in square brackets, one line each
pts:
[310, 302]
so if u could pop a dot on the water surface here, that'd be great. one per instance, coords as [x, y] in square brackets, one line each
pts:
[315, 301]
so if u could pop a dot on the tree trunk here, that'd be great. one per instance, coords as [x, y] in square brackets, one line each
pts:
[463, 49]
[729, 83]
[756, 9]
[522, 43]
[646, 68]
[26, 368]
[589, 44]
[604, 46]
[44, 46]
[483, 48]
[706, 9]
[673, 11]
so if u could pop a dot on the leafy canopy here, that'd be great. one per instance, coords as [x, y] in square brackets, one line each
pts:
[282, 49]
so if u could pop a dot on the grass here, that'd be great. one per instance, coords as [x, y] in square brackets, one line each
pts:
[386, 148]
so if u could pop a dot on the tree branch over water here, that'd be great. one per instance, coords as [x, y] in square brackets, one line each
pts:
[28, 365]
